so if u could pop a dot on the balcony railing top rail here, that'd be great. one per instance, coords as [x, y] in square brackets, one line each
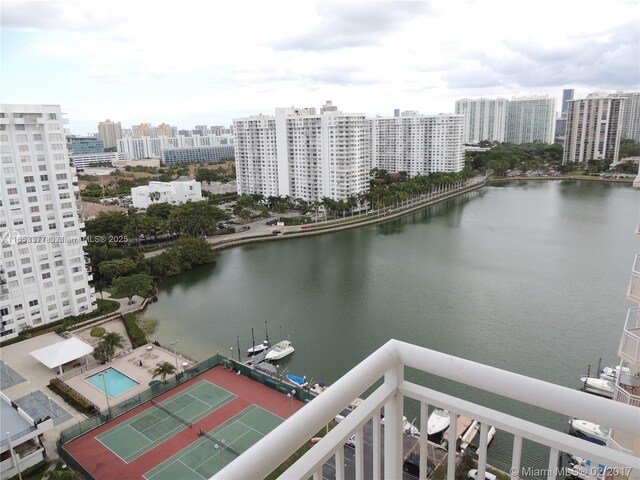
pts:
[389, 361]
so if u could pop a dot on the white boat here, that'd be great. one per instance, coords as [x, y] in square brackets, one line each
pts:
[318, 388]
[256, 349]
[407, 427]
[609, 373]
[297, 380]
[590, 430]
[438, 422]
[279, 350]
[597, 386]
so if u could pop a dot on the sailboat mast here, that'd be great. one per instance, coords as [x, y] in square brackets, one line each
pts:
[253, 341]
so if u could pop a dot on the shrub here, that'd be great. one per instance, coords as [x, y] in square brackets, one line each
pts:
[136, 335]
[105, 307]
[72, 397]
[97, 331]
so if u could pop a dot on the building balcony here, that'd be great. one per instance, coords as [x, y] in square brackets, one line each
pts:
[629, 349]
[633, 293]
[389, 363]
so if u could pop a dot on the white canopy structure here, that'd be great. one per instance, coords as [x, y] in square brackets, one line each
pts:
[63, 352]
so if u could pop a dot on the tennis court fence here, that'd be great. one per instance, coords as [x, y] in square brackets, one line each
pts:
[149, 394]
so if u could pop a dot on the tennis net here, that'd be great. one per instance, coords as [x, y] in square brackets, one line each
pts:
[219, 442]
[166, 410]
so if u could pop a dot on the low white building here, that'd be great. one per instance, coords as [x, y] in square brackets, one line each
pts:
[179, 191]
[20, 446]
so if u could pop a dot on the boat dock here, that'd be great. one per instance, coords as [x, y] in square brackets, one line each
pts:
[462, 424]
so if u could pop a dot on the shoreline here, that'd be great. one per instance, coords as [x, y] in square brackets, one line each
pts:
[298, 232]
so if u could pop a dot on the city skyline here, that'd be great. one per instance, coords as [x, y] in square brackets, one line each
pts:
[223, 61]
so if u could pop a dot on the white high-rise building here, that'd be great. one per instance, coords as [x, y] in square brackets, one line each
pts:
[531, 119]
[256, 155]
[303, 154]
[109, 132]
[594, 128]
[43, 276]
[630, 128]
[484, 119]
[418, 144]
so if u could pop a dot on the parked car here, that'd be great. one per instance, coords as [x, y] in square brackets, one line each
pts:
[276, 232]
[351, 442]
[411, 465]
[473, 474]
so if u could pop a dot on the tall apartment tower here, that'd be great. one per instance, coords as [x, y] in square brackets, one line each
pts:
[418, 144]
[630, 128]
[303, 154]
[567, 96]
[109, 132]
[484, 119]
[593, 128]
[43, 272]
[256, 155]
[531, 119]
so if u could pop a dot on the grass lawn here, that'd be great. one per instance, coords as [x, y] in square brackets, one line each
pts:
[298, 453]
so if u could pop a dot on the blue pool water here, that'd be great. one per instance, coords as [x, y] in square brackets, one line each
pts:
[116, 383]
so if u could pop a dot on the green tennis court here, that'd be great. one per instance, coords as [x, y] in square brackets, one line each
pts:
[141, 433]
[209, 454]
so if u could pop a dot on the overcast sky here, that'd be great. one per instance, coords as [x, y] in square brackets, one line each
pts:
[207, 62]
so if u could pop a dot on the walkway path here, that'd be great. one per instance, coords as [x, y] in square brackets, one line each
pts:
[259, 227]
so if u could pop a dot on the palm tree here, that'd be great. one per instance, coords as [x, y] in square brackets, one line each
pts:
[113, 340]
[163, 369]
[106, 349]
[316, 205]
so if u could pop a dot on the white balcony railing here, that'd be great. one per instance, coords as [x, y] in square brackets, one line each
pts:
[633, 293]
[621, 395]
[629, 349]
[388, 363]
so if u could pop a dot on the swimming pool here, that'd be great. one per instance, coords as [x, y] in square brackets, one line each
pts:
[116, 382]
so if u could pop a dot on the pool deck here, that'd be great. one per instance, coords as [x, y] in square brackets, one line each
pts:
[129, 365]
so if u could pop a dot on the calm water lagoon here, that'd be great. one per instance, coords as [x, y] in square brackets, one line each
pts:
[525, 276]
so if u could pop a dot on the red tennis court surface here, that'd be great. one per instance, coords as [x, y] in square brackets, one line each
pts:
[103, 464]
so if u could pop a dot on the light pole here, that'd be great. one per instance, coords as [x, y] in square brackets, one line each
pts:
[106, 393]
[14, 455]
[175, 354]
[291, 395]
[50, 407]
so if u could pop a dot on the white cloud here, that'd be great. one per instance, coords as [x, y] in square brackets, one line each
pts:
[152, 61]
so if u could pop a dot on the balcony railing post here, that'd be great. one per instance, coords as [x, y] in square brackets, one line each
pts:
[376, 446]
[424, 415]
[393, 412]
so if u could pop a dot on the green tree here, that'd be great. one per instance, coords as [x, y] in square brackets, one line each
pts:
[195, 219]
[195, 251]
[629, 148]
[164, 369]
[139, 284]
[112, 269]
[110, 341]
[107, 227]
[160, 210]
